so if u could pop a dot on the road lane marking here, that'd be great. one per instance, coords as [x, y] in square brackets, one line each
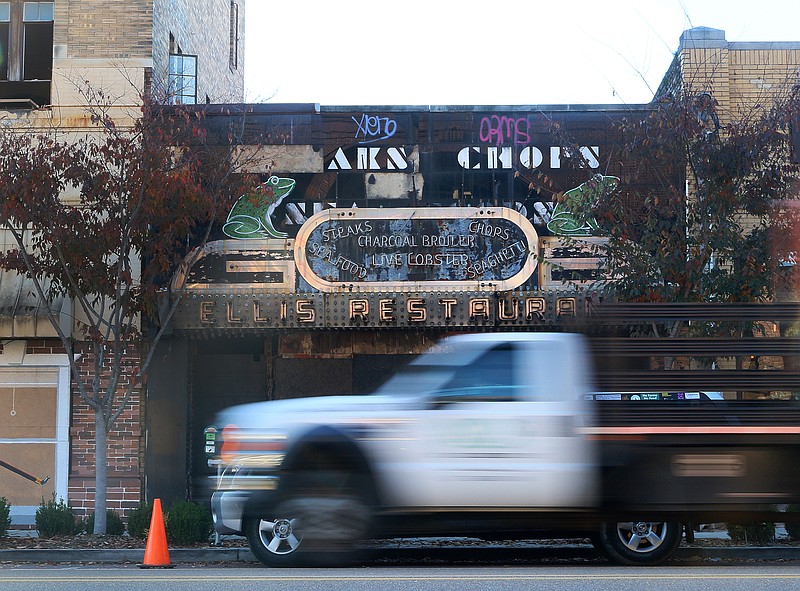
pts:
[126, 576]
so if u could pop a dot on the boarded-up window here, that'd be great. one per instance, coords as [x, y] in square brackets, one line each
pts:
[28, 433]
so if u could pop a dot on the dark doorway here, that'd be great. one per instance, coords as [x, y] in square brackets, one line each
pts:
[225, 372]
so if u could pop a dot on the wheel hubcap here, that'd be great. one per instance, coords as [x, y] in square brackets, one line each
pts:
[282, 529]
[279, 536]
[642, 536]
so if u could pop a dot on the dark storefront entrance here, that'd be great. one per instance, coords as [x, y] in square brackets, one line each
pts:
[228, 370]
[224, 372]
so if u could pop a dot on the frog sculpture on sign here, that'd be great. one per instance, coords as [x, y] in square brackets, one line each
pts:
[572, 215]
[251, 215]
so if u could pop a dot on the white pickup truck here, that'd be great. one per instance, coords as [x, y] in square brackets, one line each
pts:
[492, 436]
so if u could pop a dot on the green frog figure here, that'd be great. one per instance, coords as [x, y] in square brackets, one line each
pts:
[573, 215]
[250, 216]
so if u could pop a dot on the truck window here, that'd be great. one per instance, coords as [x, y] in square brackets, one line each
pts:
[490, 377]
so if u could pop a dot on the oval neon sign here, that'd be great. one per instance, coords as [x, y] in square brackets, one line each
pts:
[417, 249]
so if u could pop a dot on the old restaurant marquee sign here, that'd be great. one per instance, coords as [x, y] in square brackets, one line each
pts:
[416, 249]
[381, 268]
[288, 261]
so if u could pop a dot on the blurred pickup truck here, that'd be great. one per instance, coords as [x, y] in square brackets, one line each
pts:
[498, 436]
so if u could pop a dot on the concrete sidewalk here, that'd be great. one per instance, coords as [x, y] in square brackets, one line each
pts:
[416, 550]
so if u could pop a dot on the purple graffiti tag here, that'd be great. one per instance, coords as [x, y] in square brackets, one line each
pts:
[372, 128]
[499, 129]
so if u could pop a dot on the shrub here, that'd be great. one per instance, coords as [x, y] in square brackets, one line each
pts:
[139, 520]
[114, 525]
[5, 517]
[55, 519]
[188, 523]
[758, 534]
[793, 529]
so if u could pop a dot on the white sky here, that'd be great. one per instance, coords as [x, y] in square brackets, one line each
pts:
[467, 52]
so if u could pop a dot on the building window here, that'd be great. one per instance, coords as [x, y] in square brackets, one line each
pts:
[182, 79]
[5, 40]
[234, 36]
[794, 129]
[37, 62]
[26, 52]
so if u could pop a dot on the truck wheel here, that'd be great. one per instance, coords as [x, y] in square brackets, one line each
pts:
[275, 541]
[310, 531]
[639, 542]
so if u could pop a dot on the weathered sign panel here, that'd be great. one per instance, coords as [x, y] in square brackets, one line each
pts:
[237, 310]
[416, 249]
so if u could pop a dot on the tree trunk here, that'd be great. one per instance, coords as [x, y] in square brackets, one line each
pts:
[100, 473]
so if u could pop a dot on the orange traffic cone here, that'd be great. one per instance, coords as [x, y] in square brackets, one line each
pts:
[156, 553]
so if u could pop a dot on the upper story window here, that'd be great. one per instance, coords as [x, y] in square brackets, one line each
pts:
[234, 36]
[37, 60]
[182, 79]
[794, 128]
[26, 51]
[5, 31]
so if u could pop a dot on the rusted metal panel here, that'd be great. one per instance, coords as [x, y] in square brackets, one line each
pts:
[268, 159]
[265, 264]
[572, 261]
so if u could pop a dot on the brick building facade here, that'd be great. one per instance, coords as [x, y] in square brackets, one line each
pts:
[221, 365]
[739, 75]
[179, 50]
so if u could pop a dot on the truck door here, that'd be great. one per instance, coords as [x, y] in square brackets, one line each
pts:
[494, 435]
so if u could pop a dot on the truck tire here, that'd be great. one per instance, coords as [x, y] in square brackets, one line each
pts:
[275, 541]
[310, 528]
[639, 543]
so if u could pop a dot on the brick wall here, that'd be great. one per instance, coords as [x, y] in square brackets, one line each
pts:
[112, 42]
[44, 346]
[740, 75]
[125, 450]
[202, 28]
[706, 70]
[104, 29]
[758, 75]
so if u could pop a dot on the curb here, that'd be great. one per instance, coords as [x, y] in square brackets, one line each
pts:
[482, 553]
[177, 555]
[739, 552]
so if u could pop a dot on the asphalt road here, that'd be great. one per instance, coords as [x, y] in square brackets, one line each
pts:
[760, 577]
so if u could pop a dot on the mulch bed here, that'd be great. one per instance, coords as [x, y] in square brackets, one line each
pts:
[92, 542]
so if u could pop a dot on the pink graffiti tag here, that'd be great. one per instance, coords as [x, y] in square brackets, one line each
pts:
[499, 129]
